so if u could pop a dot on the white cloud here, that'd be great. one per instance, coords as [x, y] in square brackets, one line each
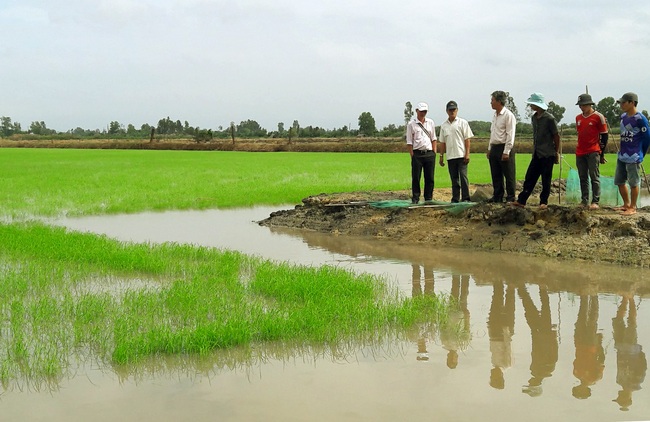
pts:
[86, 62]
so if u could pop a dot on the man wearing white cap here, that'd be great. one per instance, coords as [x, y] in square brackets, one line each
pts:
[421, 141]
[546, 147]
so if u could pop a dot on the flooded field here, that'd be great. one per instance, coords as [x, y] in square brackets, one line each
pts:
[547, 340]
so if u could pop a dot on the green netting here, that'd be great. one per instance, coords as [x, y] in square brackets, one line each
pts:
[608, 191]
[455, 208]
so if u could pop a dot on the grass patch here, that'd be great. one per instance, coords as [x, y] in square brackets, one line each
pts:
[66, 294]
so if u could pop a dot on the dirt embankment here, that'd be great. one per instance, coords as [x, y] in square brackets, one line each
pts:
[562, 231]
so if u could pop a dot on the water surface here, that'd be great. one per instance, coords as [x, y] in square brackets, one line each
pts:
[548, 340]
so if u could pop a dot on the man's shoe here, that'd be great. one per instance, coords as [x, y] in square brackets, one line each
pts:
[593, 206]
[415, 201]
[494, 200]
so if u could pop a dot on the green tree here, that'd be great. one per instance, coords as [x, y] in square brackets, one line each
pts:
[408, 112]
[250, 129]
[610, 109]
[39, 128]
[131, 130]
[645, 113]
[510, 105]
[115, 128]
[6, 127]
[480, 128]
[556, 110]
[367, 125]
[280, 128]
[296, 128]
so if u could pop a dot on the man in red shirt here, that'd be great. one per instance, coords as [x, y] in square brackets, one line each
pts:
[592, 140]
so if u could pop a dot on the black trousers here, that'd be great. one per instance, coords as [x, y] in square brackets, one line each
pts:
[459, 182]
[538, 167]
[501, 170]
[422, 162]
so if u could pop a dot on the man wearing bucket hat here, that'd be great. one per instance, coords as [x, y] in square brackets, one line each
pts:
[546, 147]
[590, 150]
[501, 153]
[635, 139]
[422, 146]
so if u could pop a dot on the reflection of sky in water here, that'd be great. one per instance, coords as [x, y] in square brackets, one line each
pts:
[536, 354]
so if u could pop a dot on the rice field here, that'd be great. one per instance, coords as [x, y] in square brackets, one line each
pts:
[67, 297]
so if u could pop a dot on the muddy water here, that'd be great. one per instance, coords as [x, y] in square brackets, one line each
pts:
[547, 341]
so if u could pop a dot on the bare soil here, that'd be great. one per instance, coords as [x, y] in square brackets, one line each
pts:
[565, 231]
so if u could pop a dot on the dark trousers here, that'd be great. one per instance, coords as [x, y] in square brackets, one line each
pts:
[422, 162]
[538, 167]
[459, 182]
[589, 169]
[501, 170]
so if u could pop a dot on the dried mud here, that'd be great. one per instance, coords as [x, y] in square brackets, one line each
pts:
[565, 231]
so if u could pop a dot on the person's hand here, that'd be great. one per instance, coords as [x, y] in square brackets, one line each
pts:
[505, 157]
[442, 162]
[603, 160]
[466, 160]
[487, 155]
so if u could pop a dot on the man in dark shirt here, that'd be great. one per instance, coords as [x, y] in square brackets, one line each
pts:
[546, 147]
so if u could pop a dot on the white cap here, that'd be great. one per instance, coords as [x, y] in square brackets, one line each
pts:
[422, 107]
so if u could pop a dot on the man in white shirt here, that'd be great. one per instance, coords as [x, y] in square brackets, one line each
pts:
[421, 141]
[455, 135]
[501, 151]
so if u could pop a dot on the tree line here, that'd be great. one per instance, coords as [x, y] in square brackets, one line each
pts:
[167, 127]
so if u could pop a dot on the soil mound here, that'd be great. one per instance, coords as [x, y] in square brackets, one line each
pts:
[561, 230]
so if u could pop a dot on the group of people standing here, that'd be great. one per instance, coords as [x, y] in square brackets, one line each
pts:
[593, 134]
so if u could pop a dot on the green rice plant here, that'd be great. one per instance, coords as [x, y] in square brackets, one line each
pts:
[59, 301]
[67, 296]
[43, 182]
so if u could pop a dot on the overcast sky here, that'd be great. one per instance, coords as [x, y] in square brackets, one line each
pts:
[85, 63]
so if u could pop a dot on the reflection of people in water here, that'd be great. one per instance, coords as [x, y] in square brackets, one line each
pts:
[631, 363]
[544, 351]
[455, 335]
[589, 363]
[423, 283]
[501, 327]
[423, 280]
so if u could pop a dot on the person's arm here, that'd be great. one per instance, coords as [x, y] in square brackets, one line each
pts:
[468, 135]
[434, 138]
[489, 146]
[645, 133]
[511, 126]
[556, 139]
[442, 148]
[603, 137]
[409, 139]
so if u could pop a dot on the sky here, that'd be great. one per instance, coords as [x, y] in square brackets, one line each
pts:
[86, 63]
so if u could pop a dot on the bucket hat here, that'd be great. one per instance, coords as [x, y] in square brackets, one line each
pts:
[585, 99]
[537, 99]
